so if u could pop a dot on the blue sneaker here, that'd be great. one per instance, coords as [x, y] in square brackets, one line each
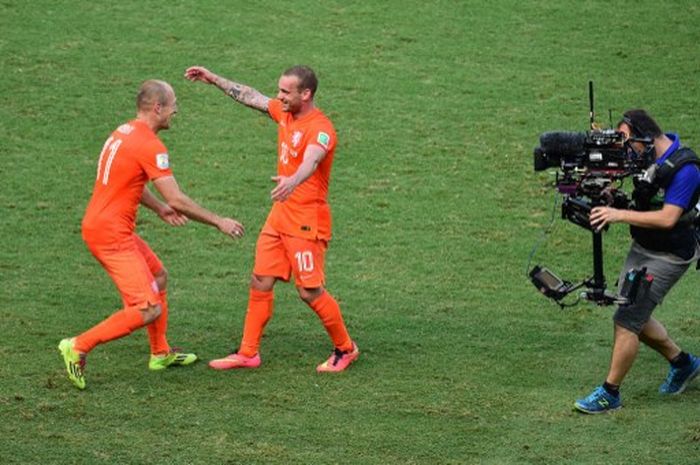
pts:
[599, 401]
[679, 378]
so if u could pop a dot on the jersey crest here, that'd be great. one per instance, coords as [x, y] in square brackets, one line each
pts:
[296, 138]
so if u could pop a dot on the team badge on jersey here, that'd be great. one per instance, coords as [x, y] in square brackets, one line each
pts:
[162, 161]
[296, 138]
[323, 139]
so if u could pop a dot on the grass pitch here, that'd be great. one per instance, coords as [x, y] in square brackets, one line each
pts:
[437, 106]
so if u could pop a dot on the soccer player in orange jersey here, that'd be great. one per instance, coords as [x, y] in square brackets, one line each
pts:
[132, 156]
[295, 236]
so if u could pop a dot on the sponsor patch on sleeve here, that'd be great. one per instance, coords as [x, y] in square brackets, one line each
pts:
[162, 161]
[323, 139]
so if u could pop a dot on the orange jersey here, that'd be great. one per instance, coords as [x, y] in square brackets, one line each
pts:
[306, 212]
[130, 157]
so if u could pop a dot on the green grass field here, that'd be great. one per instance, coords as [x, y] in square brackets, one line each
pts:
[438, 105]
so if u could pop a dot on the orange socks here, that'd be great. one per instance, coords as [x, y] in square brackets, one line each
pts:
[328, 311]
[260, 304]
[259, 312]
[158, 328]
[119, 324]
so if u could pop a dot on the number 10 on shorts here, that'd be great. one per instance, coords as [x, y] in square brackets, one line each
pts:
[305, 261]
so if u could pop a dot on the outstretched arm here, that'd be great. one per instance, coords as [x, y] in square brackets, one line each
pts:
[177, 200]
[239, 92]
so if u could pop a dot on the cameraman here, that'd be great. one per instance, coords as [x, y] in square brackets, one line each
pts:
[664, 242]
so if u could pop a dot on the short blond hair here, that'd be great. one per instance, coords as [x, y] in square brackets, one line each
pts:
[151, 92]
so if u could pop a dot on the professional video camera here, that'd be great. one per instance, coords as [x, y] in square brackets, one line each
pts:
[591, 167]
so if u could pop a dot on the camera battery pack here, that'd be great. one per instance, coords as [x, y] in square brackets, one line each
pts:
[635, 285]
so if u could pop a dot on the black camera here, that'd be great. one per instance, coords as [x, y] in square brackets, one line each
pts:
[597, 149]
[591, 167]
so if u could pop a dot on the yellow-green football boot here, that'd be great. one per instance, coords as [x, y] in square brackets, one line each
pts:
[173, 358]
[75, 363]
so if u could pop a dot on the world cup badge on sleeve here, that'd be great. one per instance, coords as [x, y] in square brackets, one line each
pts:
[324, 139]
[162, 161]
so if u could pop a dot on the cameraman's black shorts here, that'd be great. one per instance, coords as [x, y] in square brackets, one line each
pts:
[665, 272]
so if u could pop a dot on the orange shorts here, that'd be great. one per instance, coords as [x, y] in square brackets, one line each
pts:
[281, 255]
[131, 264]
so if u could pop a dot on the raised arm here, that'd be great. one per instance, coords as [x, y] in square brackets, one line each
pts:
[240, 93]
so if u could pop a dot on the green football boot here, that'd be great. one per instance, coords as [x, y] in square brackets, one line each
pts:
[173, 358]
[75, 363]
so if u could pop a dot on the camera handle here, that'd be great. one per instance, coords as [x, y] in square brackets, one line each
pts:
[598, 275]
[636, 282]
[596, 285]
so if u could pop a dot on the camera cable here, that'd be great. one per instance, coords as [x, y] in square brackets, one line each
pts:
[545, 232]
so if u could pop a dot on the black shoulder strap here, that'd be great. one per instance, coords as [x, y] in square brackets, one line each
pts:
[673, 163]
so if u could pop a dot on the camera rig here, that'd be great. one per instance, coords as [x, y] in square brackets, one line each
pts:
[591, 167]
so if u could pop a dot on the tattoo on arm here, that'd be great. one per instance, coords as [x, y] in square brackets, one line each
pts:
[244, 94]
